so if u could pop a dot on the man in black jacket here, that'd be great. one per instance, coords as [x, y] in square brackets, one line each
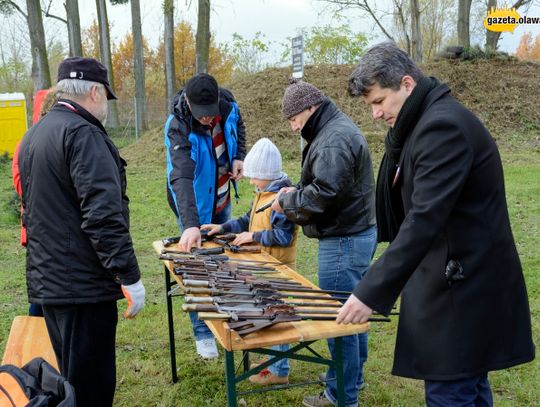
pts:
[441, 203]
[80, 257]
[335, 203]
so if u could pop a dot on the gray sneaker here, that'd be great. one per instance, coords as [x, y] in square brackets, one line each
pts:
[316, 401]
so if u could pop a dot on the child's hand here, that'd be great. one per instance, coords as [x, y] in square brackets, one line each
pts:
[244, 237]
[212, 229]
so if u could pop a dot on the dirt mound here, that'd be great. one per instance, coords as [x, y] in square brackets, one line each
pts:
[502, 93]
[148, 150]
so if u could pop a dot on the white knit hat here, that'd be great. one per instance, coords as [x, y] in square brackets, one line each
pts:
[263, 161]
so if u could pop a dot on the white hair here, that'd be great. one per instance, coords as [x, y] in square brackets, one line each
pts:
[75, 88]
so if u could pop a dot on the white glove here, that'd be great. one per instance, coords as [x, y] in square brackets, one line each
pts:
[134, 294]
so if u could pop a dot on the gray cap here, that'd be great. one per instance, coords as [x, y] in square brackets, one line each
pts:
[300, 96]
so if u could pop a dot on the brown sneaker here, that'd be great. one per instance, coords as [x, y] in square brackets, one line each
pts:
[266, 378]
[256, 363]
[317, 401]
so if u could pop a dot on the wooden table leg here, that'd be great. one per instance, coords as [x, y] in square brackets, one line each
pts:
[172, 347]
[230, 379]
[340, 383]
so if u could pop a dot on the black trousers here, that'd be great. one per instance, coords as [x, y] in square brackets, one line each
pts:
[83, 337]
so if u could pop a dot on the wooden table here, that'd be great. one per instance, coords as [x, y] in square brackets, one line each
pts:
[303, 332]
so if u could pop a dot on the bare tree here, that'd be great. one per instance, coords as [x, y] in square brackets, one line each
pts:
[405, 13]
[463, 22]
[74, 27]
[438, 24]
[41, 75]
[138, 65]
[73, 24]
[401, 19]
[365, 6]
[105, 51]
[170, 75]
[492, 38]
[203, 37]
[416, 32]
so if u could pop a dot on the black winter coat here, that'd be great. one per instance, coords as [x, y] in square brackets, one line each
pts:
[453, 195]
[75, 210]
[336, 192]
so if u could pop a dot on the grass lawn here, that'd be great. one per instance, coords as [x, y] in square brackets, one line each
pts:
[143, 371]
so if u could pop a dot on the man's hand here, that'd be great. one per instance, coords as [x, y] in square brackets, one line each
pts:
[276, 207]
[212, 228]
[237, 170]
[190, 238]
[134, 294]
[353, 311]
[244, 237]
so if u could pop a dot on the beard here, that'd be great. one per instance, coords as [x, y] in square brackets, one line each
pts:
[103, 113]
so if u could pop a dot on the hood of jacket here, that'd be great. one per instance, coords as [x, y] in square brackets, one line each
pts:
[282, 182]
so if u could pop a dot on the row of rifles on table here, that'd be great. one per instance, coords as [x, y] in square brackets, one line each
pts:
[249, 294]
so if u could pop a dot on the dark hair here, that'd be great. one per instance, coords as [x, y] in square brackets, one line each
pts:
[384, 64]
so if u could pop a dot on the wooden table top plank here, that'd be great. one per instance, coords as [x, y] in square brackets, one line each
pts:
[282, 333]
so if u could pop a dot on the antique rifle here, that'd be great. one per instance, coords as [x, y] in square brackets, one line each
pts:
[246, 322]
[233, 300]
[261, 293]
[265, 285]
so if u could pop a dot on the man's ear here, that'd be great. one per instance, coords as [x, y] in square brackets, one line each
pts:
[409, 83]
[94, 91]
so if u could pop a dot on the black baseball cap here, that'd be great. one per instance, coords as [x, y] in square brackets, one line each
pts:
[86, 69]
[202, 92]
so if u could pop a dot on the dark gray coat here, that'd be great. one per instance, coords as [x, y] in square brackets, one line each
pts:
[453, 194]
[336, 195]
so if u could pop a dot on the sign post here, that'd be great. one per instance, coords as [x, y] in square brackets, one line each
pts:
[298, 57]
[298, 66]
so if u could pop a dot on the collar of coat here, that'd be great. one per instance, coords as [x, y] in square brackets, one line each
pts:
[81, 111]
[318, 119]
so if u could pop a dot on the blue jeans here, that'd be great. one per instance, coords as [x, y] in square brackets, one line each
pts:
[471, 392]
[343, 261]
[280, 368]
[35, 310]
[200, 330]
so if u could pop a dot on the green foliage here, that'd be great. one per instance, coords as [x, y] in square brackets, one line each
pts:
[334, 45]
[329, 45]
[15, 76]
[248, 55]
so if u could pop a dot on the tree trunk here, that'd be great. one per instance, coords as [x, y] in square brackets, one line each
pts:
[400, 17]
[203, 37]
[41, 74]
[105, 51]
[416, 32]
[170, 74]
[492, 38]
[464, 14]
[138, 65]
[74, 28]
